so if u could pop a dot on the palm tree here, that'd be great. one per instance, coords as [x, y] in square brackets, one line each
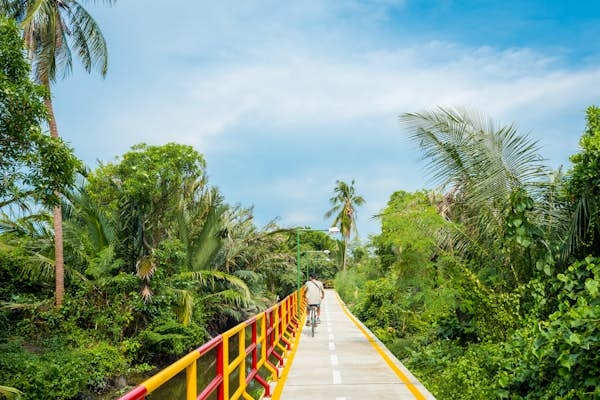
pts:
[344, 204]
[51, 29]
[483, 168]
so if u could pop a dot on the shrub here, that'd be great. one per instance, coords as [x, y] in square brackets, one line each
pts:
[59, 373]
[562, 355]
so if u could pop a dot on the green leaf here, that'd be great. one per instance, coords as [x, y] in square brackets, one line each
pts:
[592, 285]
[574, 338]
[567, 360]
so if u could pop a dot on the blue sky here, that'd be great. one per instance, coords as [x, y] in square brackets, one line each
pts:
[283, 98]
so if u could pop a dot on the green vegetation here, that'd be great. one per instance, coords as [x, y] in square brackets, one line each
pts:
[32, 164]
[492, 288]
[51, 30]
[155, 260]
[156, 263]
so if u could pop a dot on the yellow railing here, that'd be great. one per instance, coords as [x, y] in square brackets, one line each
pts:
[270, 338]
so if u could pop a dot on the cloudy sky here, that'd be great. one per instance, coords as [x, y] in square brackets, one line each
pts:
[284, 98]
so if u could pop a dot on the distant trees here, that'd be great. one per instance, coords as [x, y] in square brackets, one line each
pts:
[344, 204]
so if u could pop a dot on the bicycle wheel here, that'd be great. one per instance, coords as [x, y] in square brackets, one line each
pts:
[313, 320]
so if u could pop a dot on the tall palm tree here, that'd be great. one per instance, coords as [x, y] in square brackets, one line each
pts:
[51, 29]
[344, 202]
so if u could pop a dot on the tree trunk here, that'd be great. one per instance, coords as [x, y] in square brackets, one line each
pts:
[58, 255]
[59, 263]
[344, 254]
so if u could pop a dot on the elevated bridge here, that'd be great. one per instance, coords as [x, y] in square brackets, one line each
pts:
[274, 356]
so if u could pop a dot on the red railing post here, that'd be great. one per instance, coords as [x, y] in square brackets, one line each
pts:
[220, 371]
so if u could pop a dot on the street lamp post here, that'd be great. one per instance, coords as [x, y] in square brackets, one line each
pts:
[333, 229]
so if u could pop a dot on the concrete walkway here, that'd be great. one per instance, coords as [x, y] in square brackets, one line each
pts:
[342, 363]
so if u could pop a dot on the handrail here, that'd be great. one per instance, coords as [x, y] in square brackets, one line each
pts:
[271, 333]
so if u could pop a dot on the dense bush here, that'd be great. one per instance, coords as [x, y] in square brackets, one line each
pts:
[450, 370]
[55, 369]
[561, 359]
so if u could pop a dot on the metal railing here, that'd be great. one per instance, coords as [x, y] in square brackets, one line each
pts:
[269, 336]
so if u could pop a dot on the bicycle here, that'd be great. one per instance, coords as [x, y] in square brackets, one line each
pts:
[312, 317]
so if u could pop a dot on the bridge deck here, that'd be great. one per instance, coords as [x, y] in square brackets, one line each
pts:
[344, 361]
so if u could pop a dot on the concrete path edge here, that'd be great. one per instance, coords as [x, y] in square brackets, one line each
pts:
[413, 384]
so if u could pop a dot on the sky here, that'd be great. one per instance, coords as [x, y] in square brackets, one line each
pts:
[285, 98]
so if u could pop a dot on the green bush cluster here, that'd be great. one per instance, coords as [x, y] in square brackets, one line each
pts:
[58, 370]
[559, 356]
[510, 354]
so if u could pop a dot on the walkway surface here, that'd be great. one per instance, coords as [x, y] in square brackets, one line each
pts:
[344, 361]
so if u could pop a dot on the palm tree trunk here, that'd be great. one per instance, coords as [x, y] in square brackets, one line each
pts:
[344, 254]
[58, 255]
[57, 212]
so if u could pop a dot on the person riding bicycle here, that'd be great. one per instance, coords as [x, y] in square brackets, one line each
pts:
[314, 295]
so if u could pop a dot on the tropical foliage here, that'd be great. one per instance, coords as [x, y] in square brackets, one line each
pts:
[488, 286]
[32, 164]
[156, 262]
[51, 30]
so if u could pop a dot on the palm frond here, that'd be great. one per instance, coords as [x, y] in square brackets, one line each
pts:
[227, 297]
[463, 147]
[5, 305]
[10, 392]
[145, 267]
[184, 305]
[88, 39]
[211, 277]
[247, 275]
[207, 243]
[50, 28]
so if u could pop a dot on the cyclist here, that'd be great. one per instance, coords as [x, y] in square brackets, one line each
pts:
[314, 294]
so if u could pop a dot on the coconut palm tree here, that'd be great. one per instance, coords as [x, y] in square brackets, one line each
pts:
[52, 29]
[344, 202]
[482, 168]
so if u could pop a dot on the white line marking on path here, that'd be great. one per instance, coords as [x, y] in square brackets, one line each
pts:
[329, 329]
[337, 377]
[331, 346]
[334, 360]
[340, 398]
[331, 337]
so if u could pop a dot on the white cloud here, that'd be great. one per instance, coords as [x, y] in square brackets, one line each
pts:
[305, 88]
[305, 217]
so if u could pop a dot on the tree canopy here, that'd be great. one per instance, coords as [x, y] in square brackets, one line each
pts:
[33, 165]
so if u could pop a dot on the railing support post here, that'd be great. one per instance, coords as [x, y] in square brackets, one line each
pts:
[190, 381]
